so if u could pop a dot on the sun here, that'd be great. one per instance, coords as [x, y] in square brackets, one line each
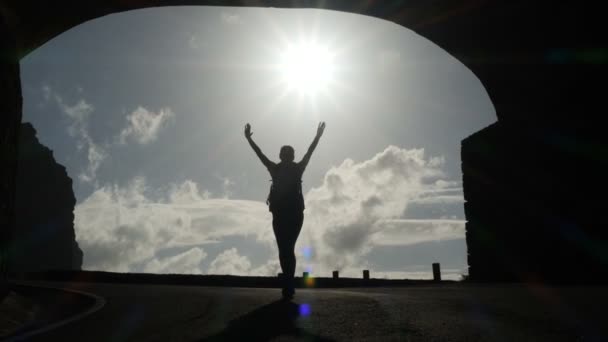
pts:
[307, 67]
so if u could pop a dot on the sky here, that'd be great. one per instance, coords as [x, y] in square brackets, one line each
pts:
[146, 110]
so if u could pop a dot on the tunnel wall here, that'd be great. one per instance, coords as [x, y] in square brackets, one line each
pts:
[10, 112]
[535, 204]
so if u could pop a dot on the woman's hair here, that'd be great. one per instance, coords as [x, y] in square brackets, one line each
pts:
[287, 153]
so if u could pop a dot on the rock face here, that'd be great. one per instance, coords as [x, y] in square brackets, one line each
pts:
[44, 236]
[535, 204]
[10, 107]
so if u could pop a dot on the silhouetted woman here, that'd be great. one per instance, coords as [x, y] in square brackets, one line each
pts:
[286, 202]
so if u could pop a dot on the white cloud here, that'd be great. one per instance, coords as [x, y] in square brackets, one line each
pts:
[95, 156]
[227, 186]
[363, 205]
[143, 125]
[79, 112]
[403, 232]
[359, 206]
[119, 228]
[184, 263]
[230, 262]
[270, 268]
[79, 115]
[446, 274]
[187, 193]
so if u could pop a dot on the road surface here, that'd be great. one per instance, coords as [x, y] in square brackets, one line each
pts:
[450, 312]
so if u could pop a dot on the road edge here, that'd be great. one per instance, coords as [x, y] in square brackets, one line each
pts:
[99, 302]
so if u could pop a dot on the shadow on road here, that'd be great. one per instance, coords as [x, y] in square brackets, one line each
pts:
[264, 323]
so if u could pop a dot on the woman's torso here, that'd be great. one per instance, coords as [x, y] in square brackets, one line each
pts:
[286, 189]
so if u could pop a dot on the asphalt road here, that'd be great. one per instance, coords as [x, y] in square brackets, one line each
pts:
[453, 312]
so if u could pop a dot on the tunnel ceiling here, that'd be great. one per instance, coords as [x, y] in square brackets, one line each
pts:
[468, 29]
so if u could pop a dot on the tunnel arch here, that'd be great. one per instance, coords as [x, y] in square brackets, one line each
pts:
[550, 46]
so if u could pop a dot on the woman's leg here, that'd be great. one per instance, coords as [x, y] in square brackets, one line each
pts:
[287, 227]
[297, 219]
[278, 226]
[295, 226]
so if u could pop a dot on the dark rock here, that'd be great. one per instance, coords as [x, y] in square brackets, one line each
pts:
[44, 238]
[10, 111]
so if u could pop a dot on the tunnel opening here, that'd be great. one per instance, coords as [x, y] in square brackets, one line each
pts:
[146, 101]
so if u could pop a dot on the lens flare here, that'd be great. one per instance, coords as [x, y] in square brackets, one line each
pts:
[307, 252]
[309, 281]
[304, 310]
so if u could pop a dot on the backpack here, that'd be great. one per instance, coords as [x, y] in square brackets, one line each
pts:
[286, 190]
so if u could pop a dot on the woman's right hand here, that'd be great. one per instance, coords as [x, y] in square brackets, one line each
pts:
[248, 132]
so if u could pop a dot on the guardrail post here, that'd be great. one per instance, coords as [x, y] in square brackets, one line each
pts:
[436, 272]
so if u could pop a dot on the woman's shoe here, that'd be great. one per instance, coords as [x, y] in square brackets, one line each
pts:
[288, 293]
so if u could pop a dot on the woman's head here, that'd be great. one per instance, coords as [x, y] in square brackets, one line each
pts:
[287, 154]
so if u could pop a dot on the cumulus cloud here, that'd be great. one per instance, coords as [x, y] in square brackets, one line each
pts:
[270, 268]
[119, 228]
[184, 263]
[143, 125]
[397, 197]
[187, 193]
[362, 205]
[230, 262]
